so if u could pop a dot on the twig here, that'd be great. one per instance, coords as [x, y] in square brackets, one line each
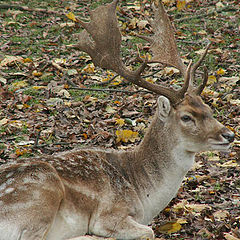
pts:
[108, 90]
[108, 81]
[64, 71]
[45, 145]
[37, 139]
[205, 14]
[152, 74]
[21, 8]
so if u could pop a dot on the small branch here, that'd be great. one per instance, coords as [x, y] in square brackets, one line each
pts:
[152, 74]
[106, 82]
[37, 139]
[45, 145]
[108, 90]
[227, 8]
[21, 8]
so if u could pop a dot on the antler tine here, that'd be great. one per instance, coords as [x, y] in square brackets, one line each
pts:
[187, 79]
[199, 90]
[198, 63]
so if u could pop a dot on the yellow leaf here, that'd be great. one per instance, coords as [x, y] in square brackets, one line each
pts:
[228, 164]
[181, 4]
[20, 152]
[117, 81]
[168, 2]
[221, 71]
[126, 136]
[120, 121]
[38, 87]
[20, 84]
[150, 80]
[27, 60]
[36, 73]
[211, 79]
[71, 16]
[170, 227]
[89, 68]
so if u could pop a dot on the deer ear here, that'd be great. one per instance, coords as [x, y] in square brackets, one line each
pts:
[164, 107]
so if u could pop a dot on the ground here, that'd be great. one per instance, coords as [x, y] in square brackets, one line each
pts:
[53, 98]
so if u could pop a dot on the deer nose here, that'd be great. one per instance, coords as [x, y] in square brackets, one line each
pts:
[229, 136]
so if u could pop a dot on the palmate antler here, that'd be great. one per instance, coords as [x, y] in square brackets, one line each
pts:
[101, 39]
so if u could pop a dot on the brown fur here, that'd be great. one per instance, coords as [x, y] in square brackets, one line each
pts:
[104, 192]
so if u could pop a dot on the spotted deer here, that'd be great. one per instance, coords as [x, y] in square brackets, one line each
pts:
[111, 193]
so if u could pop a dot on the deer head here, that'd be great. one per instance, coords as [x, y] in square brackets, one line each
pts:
[192, 120]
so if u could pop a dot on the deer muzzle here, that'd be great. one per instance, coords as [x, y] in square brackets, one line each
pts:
[222, 139]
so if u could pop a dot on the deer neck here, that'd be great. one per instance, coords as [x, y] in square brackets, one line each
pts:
[158, 167]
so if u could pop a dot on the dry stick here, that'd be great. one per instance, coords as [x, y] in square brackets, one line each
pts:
[108, 90]
[45, 145]
[205, 14]
[8, 6]
[106, 82]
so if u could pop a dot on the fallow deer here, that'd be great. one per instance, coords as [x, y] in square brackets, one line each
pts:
[111, 193]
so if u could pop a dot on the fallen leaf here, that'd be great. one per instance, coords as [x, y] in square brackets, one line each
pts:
[3, 80]
[221, 71]
[120, 121]
[133, 23]
[19, 84]
[110, 109]
[197, 207]
[182, 221]
[142, 24]
[228, 236]
[72, 72]
[219, 5]
[27, 60]
[181, 4]
[36, 73]
[89, 68]
[10, 60]
[126, 136]
[211, 79]
[64, 93]
[170, 70]
[232, 81]
[4, 121]
[170, 227]
[71, 16]
[54, 101]
[221, 215]
[228, 164]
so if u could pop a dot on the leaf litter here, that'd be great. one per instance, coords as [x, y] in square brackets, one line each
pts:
[43, 112]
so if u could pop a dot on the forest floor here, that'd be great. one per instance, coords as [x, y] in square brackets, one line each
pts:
[52, 98]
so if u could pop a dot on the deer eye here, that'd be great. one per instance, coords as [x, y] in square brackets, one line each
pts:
[186, 118]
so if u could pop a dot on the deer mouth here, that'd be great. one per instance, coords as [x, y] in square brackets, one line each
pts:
[220, 146]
